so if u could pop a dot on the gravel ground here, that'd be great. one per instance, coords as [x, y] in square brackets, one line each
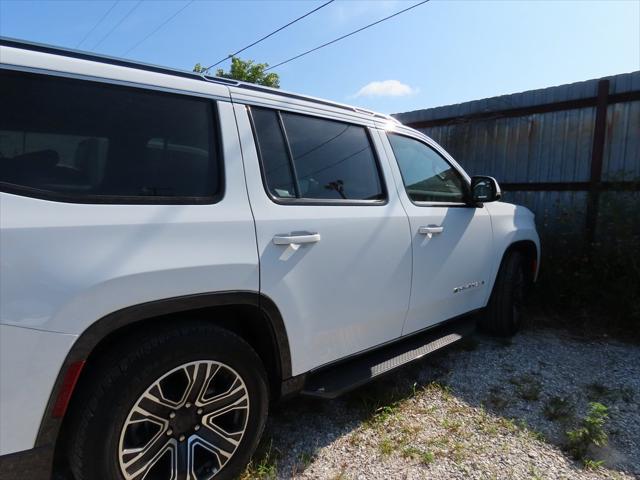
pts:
[484, 409]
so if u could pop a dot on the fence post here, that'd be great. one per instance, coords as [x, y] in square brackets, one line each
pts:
[597, 154]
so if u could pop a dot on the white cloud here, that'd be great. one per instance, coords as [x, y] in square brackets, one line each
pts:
[386, 88]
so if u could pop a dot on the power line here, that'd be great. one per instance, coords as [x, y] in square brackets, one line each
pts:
[98, 23]
[175, 14]
[117, 24]
[345, 36]
[267, 36]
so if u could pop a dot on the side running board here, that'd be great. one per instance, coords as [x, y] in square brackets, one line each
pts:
[334, 380]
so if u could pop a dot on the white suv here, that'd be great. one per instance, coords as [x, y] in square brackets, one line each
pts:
[177, 251]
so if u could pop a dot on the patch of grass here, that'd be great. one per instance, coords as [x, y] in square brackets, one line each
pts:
[528, 387]
[458, 452]
[590, 464]
[439, 388]
[558, 409]
[489, 428]
[537, 435]
[305, 459]
[386, 446]
[508, 424]
[410, 430]
[599, 392]
[264, 466]
[497, 398]
[426, 457]
[535, 473]
[439, 442]
[590, 432]
[452, 426]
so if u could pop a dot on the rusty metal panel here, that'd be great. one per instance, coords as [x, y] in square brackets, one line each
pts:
[619, 84]
[622, 144]
[546, 147]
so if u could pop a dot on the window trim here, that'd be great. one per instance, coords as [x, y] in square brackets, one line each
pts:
[313, 201]
[419, 203]
[215, 146]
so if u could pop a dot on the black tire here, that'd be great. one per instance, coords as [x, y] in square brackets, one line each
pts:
[503, 316]
[121, 377]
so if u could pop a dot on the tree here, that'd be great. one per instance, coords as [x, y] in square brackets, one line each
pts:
[246, 71]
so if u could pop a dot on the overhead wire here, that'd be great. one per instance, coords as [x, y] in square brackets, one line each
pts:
[105, 15]
[345, 36]
[267, 36]
[174, 15]
[131, 10]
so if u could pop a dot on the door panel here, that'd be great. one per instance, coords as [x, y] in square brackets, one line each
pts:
[450, 274]
[452, 246]
[344, 286]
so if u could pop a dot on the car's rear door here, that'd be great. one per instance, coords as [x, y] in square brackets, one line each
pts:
[333, 239]
[452, 241]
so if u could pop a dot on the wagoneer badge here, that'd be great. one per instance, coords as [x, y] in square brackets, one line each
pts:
[468, 286]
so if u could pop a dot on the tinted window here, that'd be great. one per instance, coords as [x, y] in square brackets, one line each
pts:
[426, 175]
[273, 151]
[86, 139]
[325, 159]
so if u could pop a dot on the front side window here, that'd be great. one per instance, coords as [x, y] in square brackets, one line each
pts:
[315, 158]
[427, 176]
[87, 140]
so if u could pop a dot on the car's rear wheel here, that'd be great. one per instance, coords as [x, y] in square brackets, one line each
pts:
[187, 403]
[503, 316]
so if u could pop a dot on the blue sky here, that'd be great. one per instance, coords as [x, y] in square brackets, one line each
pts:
[439, 53]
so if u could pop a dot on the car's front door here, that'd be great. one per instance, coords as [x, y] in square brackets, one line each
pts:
[451, 240]
[333, 241]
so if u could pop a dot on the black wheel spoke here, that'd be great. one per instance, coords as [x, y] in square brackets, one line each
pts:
[183, 461]
[236, 396]
[153, 406]
[139, 461]
[198, 374]
[221, 441]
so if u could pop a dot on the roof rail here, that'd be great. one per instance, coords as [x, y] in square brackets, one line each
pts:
[94, 57]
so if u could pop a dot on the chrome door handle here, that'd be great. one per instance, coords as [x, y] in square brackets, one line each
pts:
[296, 239]
[430, 230]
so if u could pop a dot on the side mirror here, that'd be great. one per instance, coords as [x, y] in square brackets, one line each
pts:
[485, 189]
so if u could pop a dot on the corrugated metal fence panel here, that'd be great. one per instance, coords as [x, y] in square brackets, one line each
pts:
[622, 145]
[546, 147]
[623, 83]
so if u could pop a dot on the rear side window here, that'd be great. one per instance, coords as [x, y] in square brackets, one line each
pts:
[87, 141]
[273, 151]
[427, 176]
[312, 158]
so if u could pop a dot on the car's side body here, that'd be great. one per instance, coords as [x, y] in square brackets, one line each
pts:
[74, 273]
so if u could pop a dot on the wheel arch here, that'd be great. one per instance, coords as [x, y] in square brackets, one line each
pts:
[251, 315]
[529, 249]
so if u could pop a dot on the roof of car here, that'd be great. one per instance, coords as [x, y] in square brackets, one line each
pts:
[84, 55]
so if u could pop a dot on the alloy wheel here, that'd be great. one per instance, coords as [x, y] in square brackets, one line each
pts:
[185, 426]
